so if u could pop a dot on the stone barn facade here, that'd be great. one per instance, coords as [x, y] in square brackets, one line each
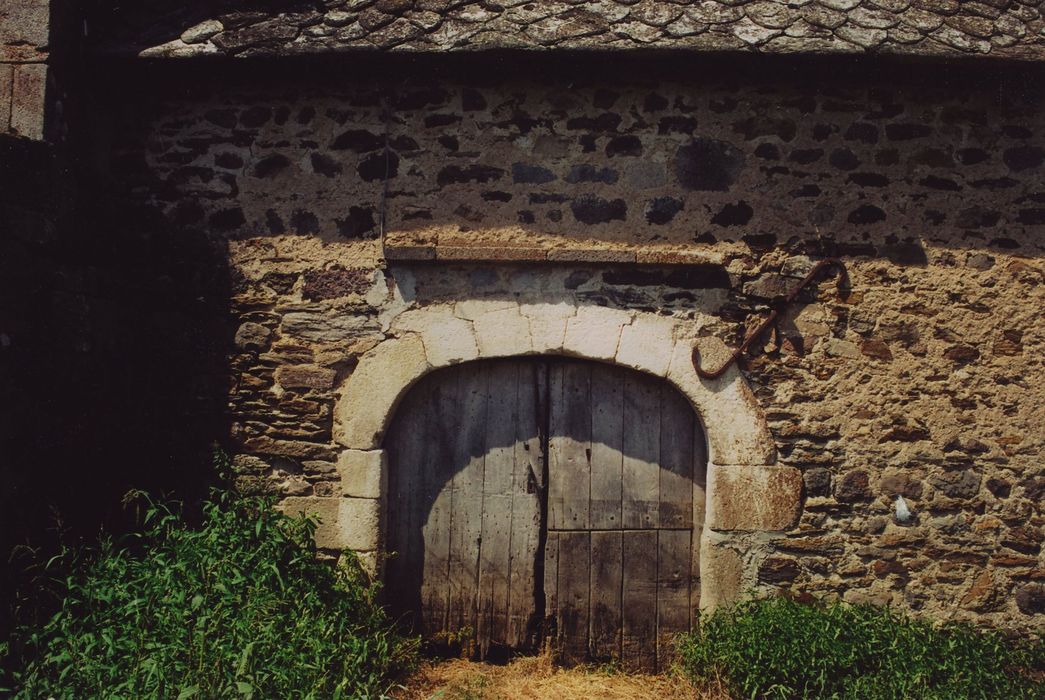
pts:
[489, 267]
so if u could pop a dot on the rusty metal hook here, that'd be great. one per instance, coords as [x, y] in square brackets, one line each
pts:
[771, 318]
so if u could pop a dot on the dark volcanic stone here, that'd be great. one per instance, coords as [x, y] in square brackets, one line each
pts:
[591, 209]
[1031, 217]
[468, 173]
[274, 223]
[358, 224]
[1023, 157]
[977, 217]
[302, 221]
[589, 173]
[733, 215]
[472, 100]
[707, 165]
[378, 166]
[358, 140]
[767, 151]
[844, 159]
[325, 165]
[271, 165]
[866, 214]
[531, 174]
[805, 156]
[817, 482]
[662, 209]
[906, 132]
[868, 179]
[228, 160]
[862, 131]
[624, 146]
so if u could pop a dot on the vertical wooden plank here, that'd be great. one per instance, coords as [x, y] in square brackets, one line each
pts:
[407, 509]
[469, 436]
[607, 449]
[606, 586]
[436, 482]
[673, 591]
[501, 396]
[550, 623]
[677, 420]
[573, 594]
[569, 446]
[700, 481]
[641, 441]
[527, 482]
[639, 600]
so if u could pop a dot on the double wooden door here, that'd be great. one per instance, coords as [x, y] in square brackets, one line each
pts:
[546, 500]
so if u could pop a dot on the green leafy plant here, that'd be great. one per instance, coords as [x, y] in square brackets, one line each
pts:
[238, 606]
[779, 649]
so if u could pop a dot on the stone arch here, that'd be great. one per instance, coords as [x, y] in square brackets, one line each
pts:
[746, 491]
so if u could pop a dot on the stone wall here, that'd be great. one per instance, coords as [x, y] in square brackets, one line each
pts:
[999, 28]
[702, 195]
[25, 29]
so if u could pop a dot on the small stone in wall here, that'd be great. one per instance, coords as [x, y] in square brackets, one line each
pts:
[778, 570]
[1030, 599]
[853, 486]
[252, 336]
[866, 214]
[964, 483]
[817, 482]
[305, 377]
[335, 282]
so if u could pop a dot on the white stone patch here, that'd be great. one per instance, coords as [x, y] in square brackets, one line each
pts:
[647, 344]
[472, 309]
[595, 332]
[503, 333]
[447, 338]
[548, 325]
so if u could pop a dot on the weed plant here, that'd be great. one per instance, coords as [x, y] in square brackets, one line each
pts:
[238, 607]
[780, 649]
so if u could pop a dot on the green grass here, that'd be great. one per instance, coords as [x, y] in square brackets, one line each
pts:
[779, 649]
[238, 607]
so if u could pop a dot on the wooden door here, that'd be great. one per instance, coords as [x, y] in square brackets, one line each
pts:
[547, 500]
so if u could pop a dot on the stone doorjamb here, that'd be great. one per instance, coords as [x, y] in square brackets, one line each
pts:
[748, 496]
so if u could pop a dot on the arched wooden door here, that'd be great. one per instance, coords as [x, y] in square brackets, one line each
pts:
[547, 499]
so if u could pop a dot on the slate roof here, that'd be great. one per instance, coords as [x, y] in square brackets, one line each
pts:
[995, 28]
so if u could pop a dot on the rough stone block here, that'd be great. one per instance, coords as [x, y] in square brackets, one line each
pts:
[447, 338]
[359, 524]
[24, 30]
[374, 389]
[647, 343]
[28, 100]
[363, 473]
[753, 497]
[503, 333]
[344, 523]
[721, 572]
[594, 332]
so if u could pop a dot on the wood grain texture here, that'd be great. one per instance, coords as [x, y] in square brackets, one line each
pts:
[569, 447]
[639, 600]
[641, 441]
[607, 450]
[606, 587]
